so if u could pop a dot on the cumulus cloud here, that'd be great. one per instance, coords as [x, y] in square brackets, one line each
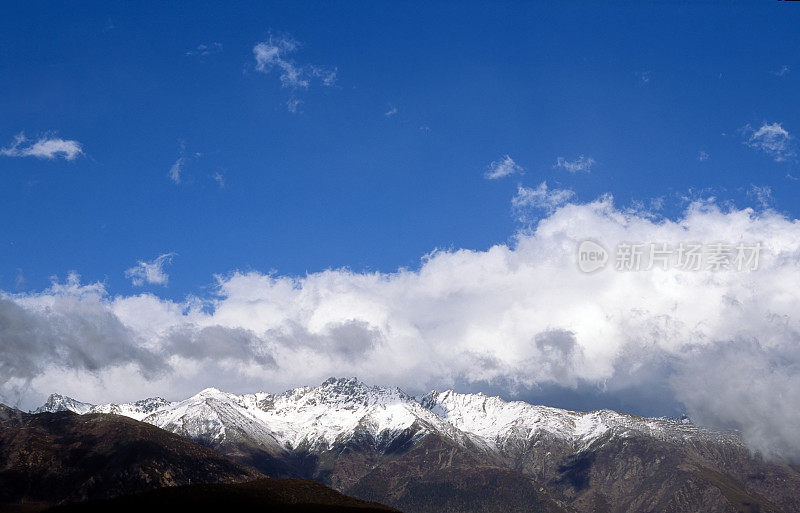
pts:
[66, 326]
[275, 54]
[152, 272]
[502, 168]
[724, 345]
[46, 147]
[772, 139]
[580, 165]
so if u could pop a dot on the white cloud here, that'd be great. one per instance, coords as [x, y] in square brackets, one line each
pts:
[772, 139]
[581, 164]
[540, 198]
[762, 194]
[152, 272]
[274, 54]
[725, 345]
[502, 168]
[293, 105]
[702, 156]
[782, 71]
[46, 147]
[176, 170]
[391, 112]
[204, 50]
[220, 179]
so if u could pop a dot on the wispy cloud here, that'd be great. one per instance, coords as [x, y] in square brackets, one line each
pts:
[19, 281]
[220, 179]
[176, 170]
[293, 104]
[275, 54]
[643, 76]
[46, 147]
[702, 156]
[502, 168]
[391, 112]
[204, 50]
[782, 71]
[580, 165]
[762, 194]
[151, 272]
[539, 198]
[772, 139]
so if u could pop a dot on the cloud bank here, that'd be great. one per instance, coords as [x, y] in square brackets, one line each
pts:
[725, 345]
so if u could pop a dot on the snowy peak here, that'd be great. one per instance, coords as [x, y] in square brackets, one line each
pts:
[346, 393]
[501, 423]
[137, 410]
[58, 402]
[342, 409]
[496, 421]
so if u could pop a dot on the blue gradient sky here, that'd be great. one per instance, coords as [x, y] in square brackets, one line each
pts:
[640, 90]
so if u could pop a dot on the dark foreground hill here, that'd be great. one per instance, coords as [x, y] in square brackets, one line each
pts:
[263, 495]
[101, 462]
[54, 457]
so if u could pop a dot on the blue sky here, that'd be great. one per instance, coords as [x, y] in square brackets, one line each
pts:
[386, 162]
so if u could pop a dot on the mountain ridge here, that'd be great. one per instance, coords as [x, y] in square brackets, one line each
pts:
[351, 395]
[448, 451]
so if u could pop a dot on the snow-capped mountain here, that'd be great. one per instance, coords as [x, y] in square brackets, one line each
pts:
[382, 444]
[57, 402]
[319, 418]
[137, 410]
[498, 422]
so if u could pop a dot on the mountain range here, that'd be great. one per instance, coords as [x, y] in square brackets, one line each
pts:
[448, 451]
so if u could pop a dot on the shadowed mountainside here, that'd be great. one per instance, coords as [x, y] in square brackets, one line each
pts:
[53, 457]
[265, 495]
